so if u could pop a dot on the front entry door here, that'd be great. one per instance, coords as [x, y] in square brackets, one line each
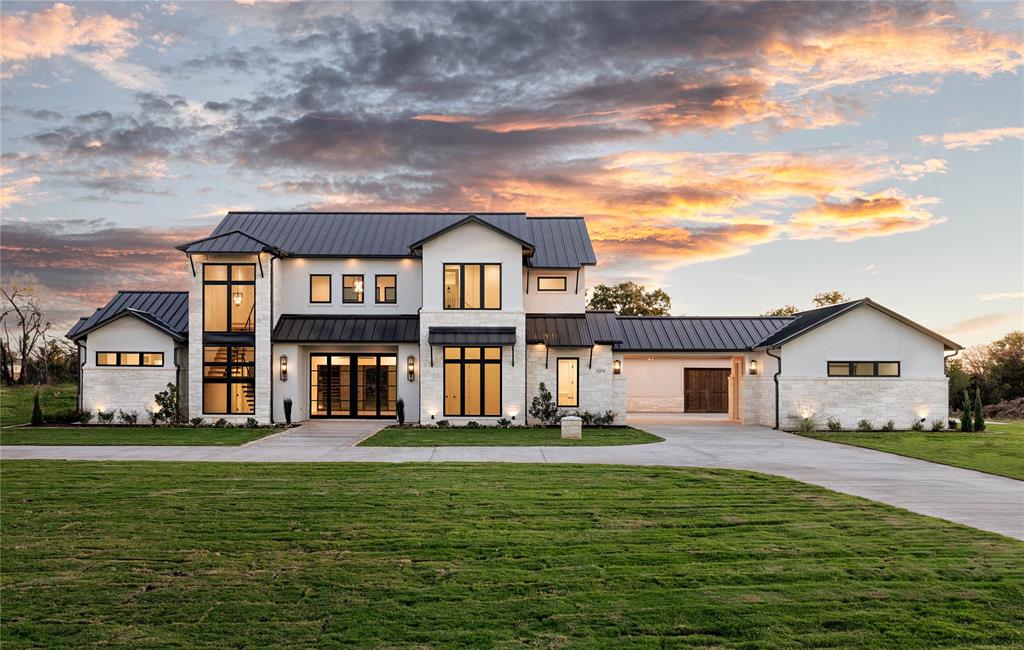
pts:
[706, 390]
[351, 385]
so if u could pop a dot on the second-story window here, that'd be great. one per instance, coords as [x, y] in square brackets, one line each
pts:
[319, 288]
[472, 286]
[229, 297]
[387, 289]
[352, 288]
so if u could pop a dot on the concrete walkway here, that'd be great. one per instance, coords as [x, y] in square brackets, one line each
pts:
[973, 498]
[332, 434]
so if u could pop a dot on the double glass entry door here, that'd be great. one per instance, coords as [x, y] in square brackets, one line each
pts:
[353, 385]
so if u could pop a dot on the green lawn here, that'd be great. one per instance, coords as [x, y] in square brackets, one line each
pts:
[16, 401]
[130, 436]
[997, 450]
[493, 436]
[488, 555]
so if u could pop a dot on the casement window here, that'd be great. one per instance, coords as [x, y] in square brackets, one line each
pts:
[863, 368]
[387, 289]
[229, 379]
[551, 283]
[567, 382]
[352, 288]
[130, 359]
[229, 297]
[472, 286]
[472, 381]
[319, 288]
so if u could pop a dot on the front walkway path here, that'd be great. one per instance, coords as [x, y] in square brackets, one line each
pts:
[980, 500]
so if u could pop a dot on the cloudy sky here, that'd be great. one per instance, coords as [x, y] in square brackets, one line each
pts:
[740, 156]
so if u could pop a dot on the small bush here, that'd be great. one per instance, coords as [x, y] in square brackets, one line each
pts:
[543, 406]
[917, 425]
[288, 410]
[807, 425]
[128, 417]
[865, 425]
[966, 421]
[443, 424]
[399, 411]
[105, 417]
[170, 405]
[937, 425]
[472, 424]
[834, 424]
[154, 417]
[251, 423]
[504, 423]
[85, 417]
[979, 415]
[37, 411]
[890, 425]
[952, 424]
[196, 422]
[220, 423]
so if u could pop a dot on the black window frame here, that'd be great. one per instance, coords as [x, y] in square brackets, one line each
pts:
[119, 363]
[558, 362]
[565, 283]
[330, 289]
[228, 379]
[376, 289]
[850, 367]
[228, 284]
[362, 296]
[462, 286]
[462, 362]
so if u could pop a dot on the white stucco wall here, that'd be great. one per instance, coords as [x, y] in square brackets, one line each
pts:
[291, 291]
[472, 242]
[656, 381]
[569, 301]
[596, 381]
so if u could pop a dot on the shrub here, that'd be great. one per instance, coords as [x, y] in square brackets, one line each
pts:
[220, 423]
[37, 411]
[170, 405]
[399, 411]
[952, 424]
[917, 425]
[288, 410]
[807, 425]
[85, 417]
[443, 424]
[105, 417]
[966, 421]
[979, 416]
[543, 406]
[154, 416]
[251, 423]
[937, 425]
[890, 425]
[504, 423]
[865, 425]
[834, 424]
[128, 417]
[472, 424]
[605, 419]
[196, 422]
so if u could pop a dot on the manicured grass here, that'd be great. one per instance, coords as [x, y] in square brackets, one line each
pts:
[130, 436]
[16, 401]
[497, 437]
[488, 555]
[997, 450]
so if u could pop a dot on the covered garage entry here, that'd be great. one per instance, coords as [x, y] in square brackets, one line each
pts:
[666, 383]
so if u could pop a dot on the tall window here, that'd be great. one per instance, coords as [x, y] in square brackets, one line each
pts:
[472, 286]
[387, 289]
[472, 381]
[352, 288]
[319, 288]
[229, 297]
[863, 368]
[229, 379]
[568, 382]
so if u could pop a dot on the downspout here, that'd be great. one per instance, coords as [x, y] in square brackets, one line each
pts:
[776, 379]
[177, 374]
[270, 334]
[83, 359]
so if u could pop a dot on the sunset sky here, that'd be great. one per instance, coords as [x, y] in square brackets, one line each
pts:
[739, 156]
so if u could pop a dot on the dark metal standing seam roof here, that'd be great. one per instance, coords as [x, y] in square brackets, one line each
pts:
[168, 310]
[604, 327]
[229, 242]
[565, 330]
[472, 336]
[301, 328]
[558, 242]
[685, 334]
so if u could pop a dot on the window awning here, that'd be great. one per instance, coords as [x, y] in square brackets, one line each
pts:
[472, 336]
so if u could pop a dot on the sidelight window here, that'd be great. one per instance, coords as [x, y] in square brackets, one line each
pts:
[472, 381]
[567, 383]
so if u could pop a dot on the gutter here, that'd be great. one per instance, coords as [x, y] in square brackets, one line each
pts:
[83, 359]
[271, 337]
[776, 380]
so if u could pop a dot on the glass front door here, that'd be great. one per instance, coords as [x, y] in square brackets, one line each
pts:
[351, 385]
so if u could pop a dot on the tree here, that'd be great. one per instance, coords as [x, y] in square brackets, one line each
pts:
[543, 406]
[1006, 367]
[979, 417]
[630, 299]
[966, 423]
[787, 310]
[826, 298]
[959, 381]
[23, 325]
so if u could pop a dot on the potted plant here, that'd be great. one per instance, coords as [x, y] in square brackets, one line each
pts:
[288, 410]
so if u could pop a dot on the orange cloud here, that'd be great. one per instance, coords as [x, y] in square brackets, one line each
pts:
[973, 140]
[16, 191]
[54, 31]
[871, 216]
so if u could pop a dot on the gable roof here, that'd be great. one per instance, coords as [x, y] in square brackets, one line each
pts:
[165, 310]
[695, 334]
[472, 219]
[806, 321]
[235, 241]
[556, 242]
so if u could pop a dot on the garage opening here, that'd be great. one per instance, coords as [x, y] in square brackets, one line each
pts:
[703, 386]
[706, 390]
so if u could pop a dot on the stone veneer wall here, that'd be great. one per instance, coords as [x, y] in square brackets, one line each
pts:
[758, 400]
[596, 384]
[513, 377]
[878, 399]
[124, 388]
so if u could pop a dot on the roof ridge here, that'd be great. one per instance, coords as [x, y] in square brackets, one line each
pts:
[150, 291]
[710, 317]
[401, 212]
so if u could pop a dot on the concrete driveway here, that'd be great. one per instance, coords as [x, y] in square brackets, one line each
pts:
[973, 498]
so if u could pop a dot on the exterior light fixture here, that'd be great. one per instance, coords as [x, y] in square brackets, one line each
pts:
[238, 298]
[753, 366]
[284, 367]
[617, 367]
[410, 367]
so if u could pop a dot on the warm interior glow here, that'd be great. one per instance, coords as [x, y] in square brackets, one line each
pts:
[238, 298]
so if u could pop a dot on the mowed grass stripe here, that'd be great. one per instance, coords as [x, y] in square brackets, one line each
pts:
[158, 554]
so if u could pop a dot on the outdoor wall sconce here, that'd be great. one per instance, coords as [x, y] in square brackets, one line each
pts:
[237, 296]
[410, 367]
[753, 366]
[284, 367]
[617, 367]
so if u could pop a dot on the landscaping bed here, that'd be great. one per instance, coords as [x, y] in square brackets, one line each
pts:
[124, 435]
[498, 437]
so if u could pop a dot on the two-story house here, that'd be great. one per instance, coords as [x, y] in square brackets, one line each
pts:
[462, 317]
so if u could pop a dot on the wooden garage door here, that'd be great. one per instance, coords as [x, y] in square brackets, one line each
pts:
[706, 390]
